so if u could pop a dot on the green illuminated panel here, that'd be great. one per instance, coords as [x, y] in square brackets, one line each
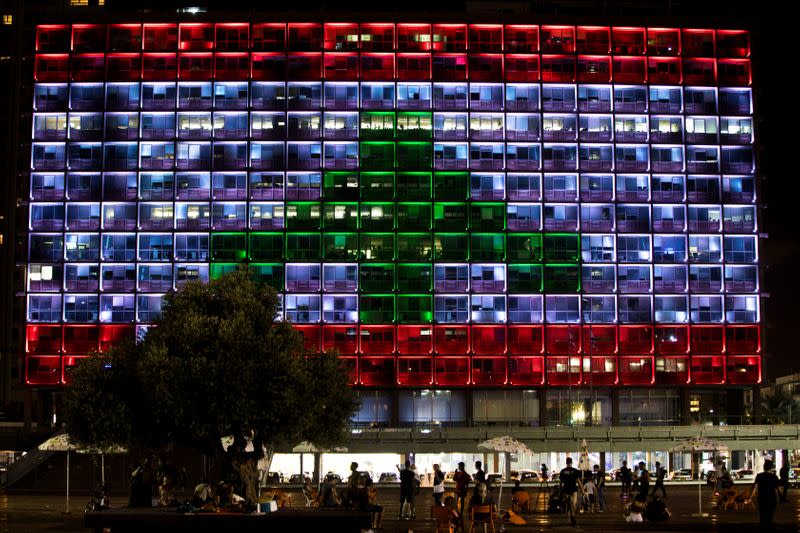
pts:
[273, 274]
[562, 247]
[376, 246]
[450, 216]
[340, 186]
[414, 309]
[220, 269]
[266, 247]
[414, 155]
[303, 215]
[487, 247]
[525, 247]
[303, 247]
[377, 155]
[340, 246]
[485, 216]
[451, 247]
[524, 279]
[414, 186]
[376, 308]
[414, 216]
[377, 216]
[414, 277]
[451, 186]
[414, 246]
[377, 186]
[228, 247]
[341, 216]
[377, 125]
[376, 277]
[562, 278]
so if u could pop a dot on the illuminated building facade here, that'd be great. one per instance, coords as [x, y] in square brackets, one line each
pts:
[492, 223]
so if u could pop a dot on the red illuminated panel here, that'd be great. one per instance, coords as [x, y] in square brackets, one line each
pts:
[600, 370]
[124, 67]
[699, 71]
[412, 67]
[380, 67]
[451, 371]
[558, 69]
[88, 38]
[486, 67]
[88, 67]
[52, 38]
[351, 363]
[81, 339]
[708, 339]
[312, 337]
[304, 36]
[522, 68]
[708, 370]
[672, 370]
[231, 66]
[630, 69]
[43, 370]
[743, 370]
[341, 66]
[232, 36]
[450, 67]
[628, 41]
[563, 370]
[341, 36]
[68, 365]
[488, 340]
[269, 37]
[413, 37]
[452, 340]
[663, 41]
[636, 339]
[599, 339]
[52, 67]
[196, 37]
[489, 371]
[270, 66]
[159, 67]
[594, 40]
[594, 69]
[160, 37]
[526, 370]
[525, 340]
[377, 371]
[734, 72]
[377, 340]
[664, 70]
[112, 334]
[698, 43]
[562, 339]
[521, 39]
[636, 370]
[125, 38]
[343, 339]
[733, 43]
[558, 39]
[743, 339]
[414, 371]
[414, 340]
[485, 38]
[449, 38]
[377, 37]
[195, 66]
[304, 66]
[672, 339]
[41, 339]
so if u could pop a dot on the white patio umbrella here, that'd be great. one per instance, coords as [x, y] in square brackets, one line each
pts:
[506, 445]
[63, 443]
[584, 464]
[695, 445]
[310, 447]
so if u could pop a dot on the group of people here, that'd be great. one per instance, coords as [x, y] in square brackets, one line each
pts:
[146, 482]
[637, 481]
[359, 492]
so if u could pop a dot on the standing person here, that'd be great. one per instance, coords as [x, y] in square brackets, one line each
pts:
[480, 475]
[784, 477]
[660, 473]
[148, 480]
[438, 485]
[766, 485]
[644, 479]
[569, 482]
[625, 476]
[407, 489]
[719, 469]
[135, 486]
[600, 483]
[461, 479]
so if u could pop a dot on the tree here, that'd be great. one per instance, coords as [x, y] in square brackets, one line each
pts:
[216, 364]
[779, 407]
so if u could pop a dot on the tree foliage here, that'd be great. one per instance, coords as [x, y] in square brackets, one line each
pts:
[217, 364]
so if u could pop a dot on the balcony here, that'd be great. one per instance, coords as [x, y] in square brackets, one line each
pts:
[520, 135]
[735, 138]
[633, 226]
[745, 226]
[522, 105]
[740, 285]
[665, 107]
[558, 106]
[668, 196]
[626, 285]
[595, 136]
[705, 286]
[666, 166]
[737, 167]
[597, 225]
[704, 226]
[488, 286]
[676, 285]
[560, 164]
[594, 106]
[123, 285]
[668, 226]
[702, 167]
[560, 225]
[630, 136]
[559, 135]
[701, 108]
[639, 106]
[119, 224]
[81, 285]
[199, 223]
[598, 286]
[666, 136]
[595, 195]
[631, 165]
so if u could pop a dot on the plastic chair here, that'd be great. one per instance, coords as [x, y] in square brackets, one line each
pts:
[521, 502]
[487, 517]
[443, 516]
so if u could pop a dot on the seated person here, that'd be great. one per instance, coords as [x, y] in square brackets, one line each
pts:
[520, 501]
[656, 511]
[329, 496]
[310, 493]
[481, 498]
[447, 513]
[371, 504]
[203, 493]
[516, 488]
[633, 511]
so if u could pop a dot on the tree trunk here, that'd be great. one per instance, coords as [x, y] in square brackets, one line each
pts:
[246, 465]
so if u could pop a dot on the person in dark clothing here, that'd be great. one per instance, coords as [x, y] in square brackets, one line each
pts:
[135, 486]
[480, 475]
[407, 491]
[625, 476]
[656, 511]
[783, 473]
[661, 472]
[461, 479]
[766, 485]
[569, 480]
[644, 479]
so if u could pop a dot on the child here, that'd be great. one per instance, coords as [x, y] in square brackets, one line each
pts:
[590, 490]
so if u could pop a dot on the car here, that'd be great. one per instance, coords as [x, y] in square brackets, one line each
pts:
[296, 478]
[494, 479]
[682, 474]
[449, 477]
[524, 476]
[332, 476]
[742, 473]
[273, 477]
[388, 477]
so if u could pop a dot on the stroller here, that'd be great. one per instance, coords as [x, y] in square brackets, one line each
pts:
[555, 503]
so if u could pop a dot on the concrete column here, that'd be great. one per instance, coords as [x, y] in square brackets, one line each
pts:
[469, 408]
[756, 405]
[317, 475]
[615, 407]
[394, 416]
[603, 461]
[542, 394]
[685, 415]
